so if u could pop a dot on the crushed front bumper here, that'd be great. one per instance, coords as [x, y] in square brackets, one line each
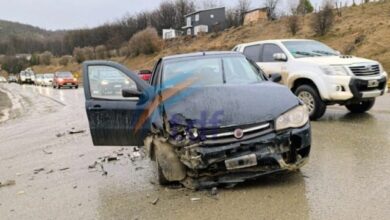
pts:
[239, 161]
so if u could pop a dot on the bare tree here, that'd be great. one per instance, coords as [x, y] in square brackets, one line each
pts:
[323, 20]
[243, 7]
[271, 9]
[293, 22]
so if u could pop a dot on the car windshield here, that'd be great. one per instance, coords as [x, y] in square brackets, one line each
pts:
[308, 49]
[211, 71]
[65, 75]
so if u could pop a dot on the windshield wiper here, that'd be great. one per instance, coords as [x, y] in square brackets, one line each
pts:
[323, 52]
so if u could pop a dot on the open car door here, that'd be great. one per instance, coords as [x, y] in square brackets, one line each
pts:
[113, 117]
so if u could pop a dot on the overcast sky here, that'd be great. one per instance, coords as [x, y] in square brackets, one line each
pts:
[70, 14]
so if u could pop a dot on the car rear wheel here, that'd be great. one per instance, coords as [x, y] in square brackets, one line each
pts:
[361, 107]
[312, 100]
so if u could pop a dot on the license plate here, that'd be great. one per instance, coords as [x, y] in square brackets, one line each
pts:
[372, 83]
[69, 84]
[241, 162]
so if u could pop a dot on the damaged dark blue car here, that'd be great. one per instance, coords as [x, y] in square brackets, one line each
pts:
[206, 119]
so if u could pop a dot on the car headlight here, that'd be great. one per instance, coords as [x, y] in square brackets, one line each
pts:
[335, 70]
[295, 118]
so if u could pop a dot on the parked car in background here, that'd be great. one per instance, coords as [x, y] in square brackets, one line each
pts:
[64, 79]
[38, 79]
[2, 79]
[319, 75]
[205, 119]
[48, 79]
[26, 77]
[145, 74]
[12, 79]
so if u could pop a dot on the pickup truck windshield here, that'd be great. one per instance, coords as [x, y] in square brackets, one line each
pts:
[308, 49]
[211, 71]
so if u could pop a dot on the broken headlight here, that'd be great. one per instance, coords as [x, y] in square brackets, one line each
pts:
[180, 133]
[295, 118]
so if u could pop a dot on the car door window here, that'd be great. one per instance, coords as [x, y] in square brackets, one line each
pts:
[107, 82]
[268, 52]
[253, 52]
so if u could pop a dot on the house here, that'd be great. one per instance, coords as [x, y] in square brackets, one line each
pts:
[207, 20]
[255, 15]
[170, 33]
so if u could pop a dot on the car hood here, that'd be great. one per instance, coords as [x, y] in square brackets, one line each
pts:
[336, 60]
[229, 105]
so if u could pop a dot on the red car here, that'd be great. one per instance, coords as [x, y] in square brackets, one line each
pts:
[145, 74]
[65, 79]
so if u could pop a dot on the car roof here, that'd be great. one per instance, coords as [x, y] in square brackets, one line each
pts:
[201, 54]
[273, 41]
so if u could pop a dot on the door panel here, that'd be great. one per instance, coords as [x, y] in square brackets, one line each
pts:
[112, 118]
[269, 65]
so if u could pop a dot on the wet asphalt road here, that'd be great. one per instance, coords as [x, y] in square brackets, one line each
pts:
[348, 176]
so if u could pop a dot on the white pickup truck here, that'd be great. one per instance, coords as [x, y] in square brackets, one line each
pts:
[319, 75]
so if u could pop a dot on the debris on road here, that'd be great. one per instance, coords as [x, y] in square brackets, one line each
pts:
[60, 135]
[47, 152]
[93, 166]
[7, 183]
[76, 132]
[154, 202]
[214, 191]
[111, 158]
[195, 199]
[36, 171]
[74, 186]
[139, 168]
[63, 169]
[50, 171]
[20, 192]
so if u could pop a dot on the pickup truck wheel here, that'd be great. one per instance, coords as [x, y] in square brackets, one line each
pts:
[160, 175]
[312, 100]
[361, 107]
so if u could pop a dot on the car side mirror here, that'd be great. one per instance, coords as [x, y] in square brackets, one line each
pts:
[280, 57]
[276, 77]
[131, 93]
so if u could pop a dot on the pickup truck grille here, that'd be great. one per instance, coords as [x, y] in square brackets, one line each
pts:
[365, 70]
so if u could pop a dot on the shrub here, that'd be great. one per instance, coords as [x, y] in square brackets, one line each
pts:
[45, 58]
[293, 24]
[323, 20]
[101, 52]
[145, 42]
[78, 55]
[65, 60]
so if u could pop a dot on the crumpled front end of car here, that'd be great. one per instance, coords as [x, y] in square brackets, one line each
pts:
[218, 157]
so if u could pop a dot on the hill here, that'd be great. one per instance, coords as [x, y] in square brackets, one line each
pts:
[8, 29]
[361, 30]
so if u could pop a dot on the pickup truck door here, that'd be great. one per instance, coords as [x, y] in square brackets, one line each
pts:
[269, 65]
[112, 117]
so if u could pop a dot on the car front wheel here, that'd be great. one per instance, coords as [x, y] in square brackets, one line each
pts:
[361, 107]
[312, 100]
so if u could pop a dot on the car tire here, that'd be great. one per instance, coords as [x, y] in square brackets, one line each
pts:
[309, 95]
[162, 180]
[361, 107]
[76, 87]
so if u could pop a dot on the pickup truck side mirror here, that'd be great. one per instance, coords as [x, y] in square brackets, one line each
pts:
[275, 77]
[280, 57]
[131, 93]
